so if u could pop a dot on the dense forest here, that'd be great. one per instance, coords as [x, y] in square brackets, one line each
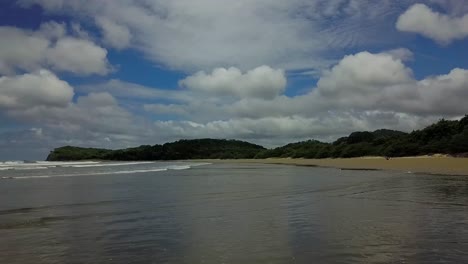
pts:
[179, 150]
[445, 136]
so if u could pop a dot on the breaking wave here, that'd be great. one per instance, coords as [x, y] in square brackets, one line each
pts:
[21, 165]
[108, 164]
[159, 169]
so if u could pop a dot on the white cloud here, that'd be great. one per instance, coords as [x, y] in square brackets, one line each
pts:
[193, 35]
[115, 35]
[19, 49]
[165, 109]
[367, 82]
[442, 28]
[366, 69]
[50, 30]
[226, 94]
[50, 46]
[358, 81]
[274, 131]
[261, 82]
[126, 90]
[93, 119]
[30, 90]
[364, 91]
[443, 94]
[400, 54]
[78, 56]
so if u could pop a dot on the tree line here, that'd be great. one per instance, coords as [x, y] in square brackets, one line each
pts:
[179, 150]
[445, 136]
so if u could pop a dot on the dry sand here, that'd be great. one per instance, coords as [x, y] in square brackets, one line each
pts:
[425, 164]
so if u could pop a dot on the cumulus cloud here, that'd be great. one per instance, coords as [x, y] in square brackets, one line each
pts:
[360, 84]
[115, 35]
[226, 95]
[274, 131]
[442, 28]
[366, 81]
[165, 109]
[41, 88]
[50, 46]
[401, 54]
[261, 82]
[44, 102]
[93, 120]
[359, 81]
[363, 72]
[193, 35]
[442, 94]
[132, 91]
[19, 49]
[78, 56]
[363, 91]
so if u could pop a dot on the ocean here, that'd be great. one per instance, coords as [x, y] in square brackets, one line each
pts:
[191, 212]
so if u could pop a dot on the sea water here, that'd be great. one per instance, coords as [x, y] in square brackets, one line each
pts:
[189, 212]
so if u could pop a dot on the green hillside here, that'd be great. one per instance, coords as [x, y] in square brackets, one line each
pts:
[182, 149]
[448, 137]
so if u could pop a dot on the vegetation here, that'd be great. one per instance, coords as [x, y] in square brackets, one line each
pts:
[76, 153]
[182, 149]
[447, 137]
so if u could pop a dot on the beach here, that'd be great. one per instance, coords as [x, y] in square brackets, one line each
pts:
[438, 164]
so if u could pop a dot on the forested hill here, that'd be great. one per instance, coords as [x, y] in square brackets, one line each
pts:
[447, 137]
[182, 149]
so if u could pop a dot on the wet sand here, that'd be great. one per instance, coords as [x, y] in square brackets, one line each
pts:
[424, 164]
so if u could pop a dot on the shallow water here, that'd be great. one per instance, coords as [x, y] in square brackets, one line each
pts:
[229, 213]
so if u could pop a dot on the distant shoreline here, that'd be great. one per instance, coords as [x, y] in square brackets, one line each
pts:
[441, 165]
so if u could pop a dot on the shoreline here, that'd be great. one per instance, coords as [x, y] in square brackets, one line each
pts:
[435, 165]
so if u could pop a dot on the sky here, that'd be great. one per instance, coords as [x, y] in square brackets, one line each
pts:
[122, 73]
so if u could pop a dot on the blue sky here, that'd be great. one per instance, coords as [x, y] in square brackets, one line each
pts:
[123, 73]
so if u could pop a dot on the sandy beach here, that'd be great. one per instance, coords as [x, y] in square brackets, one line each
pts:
[425, 164]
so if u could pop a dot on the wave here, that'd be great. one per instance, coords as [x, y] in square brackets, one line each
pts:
[38, 164]
[139, 171]
[67, 163]
[87, 174]
[169, 167]
[179, 167]
[9, 163]
[200, 164]
[108, 164]
[23, 168]
[30, 168]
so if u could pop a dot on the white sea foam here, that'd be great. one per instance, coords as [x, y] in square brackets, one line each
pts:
[88, 174]
[139, 171]
[30, 168]
[97, 164]
[66, 163]
[179, 167]
[200, 164]
[42, 164]
[108, 164]
[30, 177]
[10, 163]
